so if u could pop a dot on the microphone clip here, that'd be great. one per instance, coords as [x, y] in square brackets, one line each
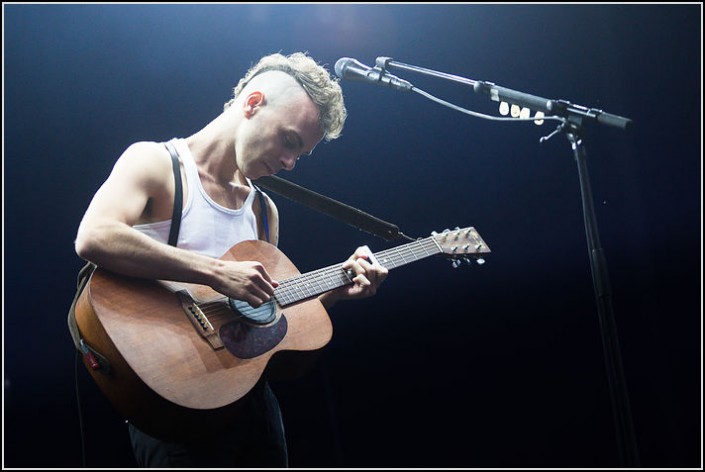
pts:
[382, 62]
[388, 78]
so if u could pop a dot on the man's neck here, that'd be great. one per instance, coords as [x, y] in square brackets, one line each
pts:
[214, 152]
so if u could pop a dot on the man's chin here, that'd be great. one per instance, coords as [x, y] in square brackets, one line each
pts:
[254, 174]
[257, 175]
[265, 171]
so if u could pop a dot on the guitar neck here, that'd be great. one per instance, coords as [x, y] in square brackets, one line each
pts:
[320, 281]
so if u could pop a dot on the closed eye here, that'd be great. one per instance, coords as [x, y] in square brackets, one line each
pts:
[293, 142]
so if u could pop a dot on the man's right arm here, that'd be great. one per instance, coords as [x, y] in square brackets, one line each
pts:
[141, 186]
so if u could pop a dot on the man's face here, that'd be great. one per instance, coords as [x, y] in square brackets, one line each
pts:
[277, 131]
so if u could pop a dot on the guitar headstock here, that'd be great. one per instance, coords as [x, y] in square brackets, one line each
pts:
[462, 245]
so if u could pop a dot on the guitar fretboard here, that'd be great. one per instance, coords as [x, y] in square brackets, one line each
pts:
[320, 281]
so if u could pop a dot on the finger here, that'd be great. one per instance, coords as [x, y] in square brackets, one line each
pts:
[367, 269]
[258, 287]
[364, 252]
[254, 283]
[373, 271]
[362, 270]
[357, 268]
[352, 265]
[268, 278]
[362, 280]
[258, 282]
[380, 272]
[253, 300]
[256, 302]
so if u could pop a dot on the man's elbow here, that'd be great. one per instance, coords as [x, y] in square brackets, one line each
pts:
[87, 244]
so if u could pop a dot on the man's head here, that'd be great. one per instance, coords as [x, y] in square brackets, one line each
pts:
[277, 123]
[322, 89]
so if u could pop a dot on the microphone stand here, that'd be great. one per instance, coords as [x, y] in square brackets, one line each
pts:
[571, 126]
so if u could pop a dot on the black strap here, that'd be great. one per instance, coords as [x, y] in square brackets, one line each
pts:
[330, 207]
[178, 195]
[263, 205]
[94, 358]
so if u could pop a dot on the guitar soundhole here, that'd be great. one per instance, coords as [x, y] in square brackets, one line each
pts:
[245, 341]
[264, 314]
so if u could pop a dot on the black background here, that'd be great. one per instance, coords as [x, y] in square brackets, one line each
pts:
[498, 365]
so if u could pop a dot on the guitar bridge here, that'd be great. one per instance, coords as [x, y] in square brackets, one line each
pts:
[199, 320]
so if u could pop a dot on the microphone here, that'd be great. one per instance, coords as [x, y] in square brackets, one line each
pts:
[351, 69]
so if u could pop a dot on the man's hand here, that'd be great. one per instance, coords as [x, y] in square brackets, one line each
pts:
[368, 276]
[248, 281]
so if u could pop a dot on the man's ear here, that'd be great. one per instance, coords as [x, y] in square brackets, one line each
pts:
[253, 101]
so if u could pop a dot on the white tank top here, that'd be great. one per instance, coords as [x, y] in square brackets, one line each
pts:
[206, 227]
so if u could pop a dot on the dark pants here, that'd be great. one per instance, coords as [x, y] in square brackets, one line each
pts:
[256, 439]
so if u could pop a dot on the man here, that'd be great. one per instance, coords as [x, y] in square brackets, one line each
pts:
[281, 109]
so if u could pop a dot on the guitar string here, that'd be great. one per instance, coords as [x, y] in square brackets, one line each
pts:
[317, 282]
[313, 283]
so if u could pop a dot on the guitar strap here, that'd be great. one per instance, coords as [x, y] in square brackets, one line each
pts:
[178, 196]
[328, 206]
[94, 359]
[263, 206]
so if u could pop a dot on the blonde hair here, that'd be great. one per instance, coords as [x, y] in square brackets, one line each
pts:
[323, 89]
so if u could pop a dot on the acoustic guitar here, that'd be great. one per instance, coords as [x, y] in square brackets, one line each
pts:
[176, 359]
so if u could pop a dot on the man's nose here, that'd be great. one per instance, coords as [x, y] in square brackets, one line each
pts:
[289, 160]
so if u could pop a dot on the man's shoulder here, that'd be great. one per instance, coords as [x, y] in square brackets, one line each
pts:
[149, 159]
[147, 148]
[147, 152]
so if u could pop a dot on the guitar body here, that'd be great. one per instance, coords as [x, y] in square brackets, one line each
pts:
[182, 356]
[165, 377]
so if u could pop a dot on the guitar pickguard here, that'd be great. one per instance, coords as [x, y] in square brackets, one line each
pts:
[246, 341]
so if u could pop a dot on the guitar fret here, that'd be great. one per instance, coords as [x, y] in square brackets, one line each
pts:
[395, 257]
[309, 285]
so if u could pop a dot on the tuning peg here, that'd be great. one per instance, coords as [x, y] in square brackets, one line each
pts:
[456, 263]
[504, 108]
